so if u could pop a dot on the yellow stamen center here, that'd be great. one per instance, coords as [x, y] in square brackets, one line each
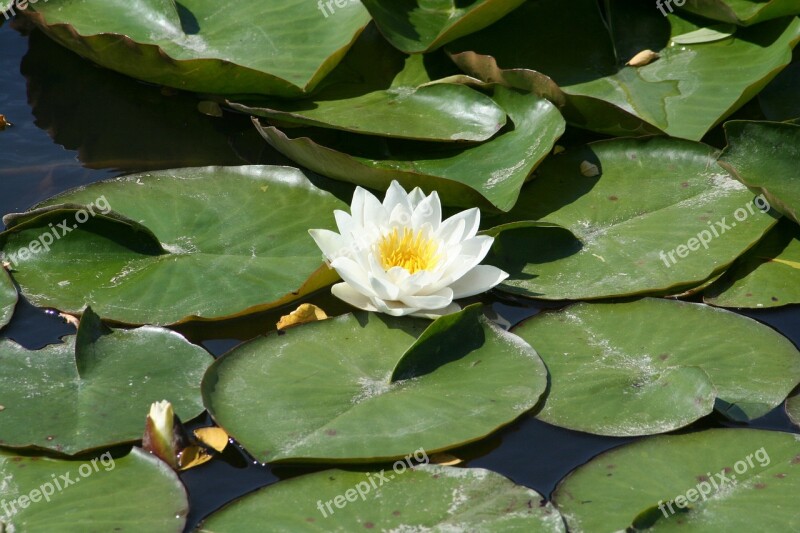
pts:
[412, 251]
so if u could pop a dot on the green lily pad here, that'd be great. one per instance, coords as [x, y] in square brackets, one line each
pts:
[749, 481]
[324, 392]
[415, 26]
[133, 493]
[683, 93]
[95, 390]
[427, 496]
[178, 244]
[743, 12]
[8, 298]
[768, 275]
[377, 90]
[249, 47]
[619, 369]
[423, 498]
[763, 155]
[490, 174]
[633, 229]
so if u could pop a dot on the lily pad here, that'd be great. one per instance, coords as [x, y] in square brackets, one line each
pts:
[766, 276]
[249, 47]
[99, 494]
[743, 12]
[634, 228]
[415, 26]
[377, 90]
[8, 298]
[764, 155]
[325, 392]
[490, 174]
[175, 245]
[95, 390]
[619, 368]
[683, 93]
[423, 498]
[715, 480]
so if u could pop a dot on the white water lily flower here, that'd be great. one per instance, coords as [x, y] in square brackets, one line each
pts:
[398, 257]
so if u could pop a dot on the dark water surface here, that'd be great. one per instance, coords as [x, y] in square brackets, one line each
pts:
[75, 123]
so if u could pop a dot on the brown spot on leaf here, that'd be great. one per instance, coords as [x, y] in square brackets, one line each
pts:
[330, 432]
[664, 356]
[760, 485]
[369, 525]
[780, 475]
[685, 184]
[613, 198]
[395, 513]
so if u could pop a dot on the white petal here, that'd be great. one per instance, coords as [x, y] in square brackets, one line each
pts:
[472, 252]
[396, 195]
[348, 294]
[479, 279]
[343, 221]
[357, 206]
[393, 308]
[449, 230]
[380, 282]
[415, 197]
[429, 211]
[374, 212]
[400, 216]
[353, 274]
[441, 299]
[433, 315]
[332, 244]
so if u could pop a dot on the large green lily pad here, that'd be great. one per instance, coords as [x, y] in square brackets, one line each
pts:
[424, 498]
[8, 298]
[684, 93]
[749, 481]
[415, 26]
[743, 12]
[768, 275]
[325, 392]
[379, 91]
[95, 390]
[633, 229]
[490, 174]
[619, 368]
[133, 493]
[249, 47]
[764, 156]
[195, 242]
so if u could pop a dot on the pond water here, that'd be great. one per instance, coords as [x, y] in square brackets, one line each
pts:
[75, 123]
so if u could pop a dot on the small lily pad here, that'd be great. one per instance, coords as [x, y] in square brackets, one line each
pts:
[423, 498]
[619, 369]
[489, 174]
[705, 35]
[175, 245]
[357, 388]
[768, 275]
[133, 493]
[659, 217]
[715, 480]
[95, 390]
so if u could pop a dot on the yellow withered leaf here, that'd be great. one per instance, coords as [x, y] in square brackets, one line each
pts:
[302, 315]
[213, 437]
[445, 459]
[193, 456]
[793, 264]
[645, 57]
